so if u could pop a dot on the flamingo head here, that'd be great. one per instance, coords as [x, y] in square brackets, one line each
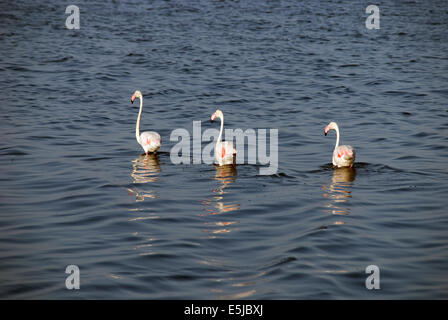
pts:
[331, 126]
[217, 114]
[137, 94]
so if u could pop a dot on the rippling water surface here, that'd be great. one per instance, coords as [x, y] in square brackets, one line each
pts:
[76, 189]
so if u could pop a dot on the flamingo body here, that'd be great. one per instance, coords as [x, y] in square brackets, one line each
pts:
[343, 156]
[149, 140]
[224, 150]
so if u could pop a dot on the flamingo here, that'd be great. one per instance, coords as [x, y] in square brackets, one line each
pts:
[149, 140]
[224, 150]
[343, 156]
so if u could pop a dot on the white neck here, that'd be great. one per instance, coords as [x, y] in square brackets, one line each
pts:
[220, 131]
[137, 127]
[337, 136]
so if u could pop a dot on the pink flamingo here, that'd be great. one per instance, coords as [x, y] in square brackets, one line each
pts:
[343, 156]
[224, 150]
[149, 140]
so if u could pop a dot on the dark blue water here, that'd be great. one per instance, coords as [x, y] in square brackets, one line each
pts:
[75, 189]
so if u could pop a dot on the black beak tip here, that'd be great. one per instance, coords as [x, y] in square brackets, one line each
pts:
[132, 102]
[325, 133]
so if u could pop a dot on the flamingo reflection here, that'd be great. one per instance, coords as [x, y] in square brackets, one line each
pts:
[226, 175]
[217, 207]
[338, 192]
[145, 169]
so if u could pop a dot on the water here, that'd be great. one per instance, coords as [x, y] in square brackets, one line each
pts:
[75, 188]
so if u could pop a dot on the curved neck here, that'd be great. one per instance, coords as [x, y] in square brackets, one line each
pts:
[220, 131]
[337, 136]
[137, 126]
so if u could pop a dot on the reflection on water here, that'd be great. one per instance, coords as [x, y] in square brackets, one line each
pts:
[217, 205]
[145, 169]
[338, 192]
[226, 175]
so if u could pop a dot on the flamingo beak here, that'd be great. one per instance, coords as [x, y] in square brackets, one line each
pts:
[212, 118]
[132, 99]
[325, 133]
